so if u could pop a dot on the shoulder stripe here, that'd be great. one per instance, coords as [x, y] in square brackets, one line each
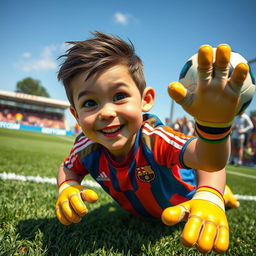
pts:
[170, 138]
[181, 139]
[80, 141]
[73, 155]
[70, 162]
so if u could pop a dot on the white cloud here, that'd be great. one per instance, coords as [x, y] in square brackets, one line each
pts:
[121, 18]
[45, 62]
[26, 55]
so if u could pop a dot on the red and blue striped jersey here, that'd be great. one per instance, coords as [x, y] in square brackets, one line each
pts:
[153, 176]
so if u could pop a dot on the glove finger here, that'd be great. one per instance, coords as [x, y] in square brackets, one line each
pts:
[177, 91]
[89, 195]
[173, 215]
[230, 199]
[233, 203]
[61, 217]
[223, 54]
[78, 205]
[207, 236]
[191, 230]
[238, 76]
[69, 213]
[205, 62]
[180, 94]
[222, 240]
[222, 60]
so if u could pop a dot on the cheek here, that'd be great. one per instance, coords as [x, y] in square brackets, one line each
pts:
[132, 110]
[133, 114]
[86, 122]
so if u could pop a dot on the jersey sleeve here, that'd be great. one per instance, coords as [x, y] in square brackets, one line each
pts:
[73, 161]
[168, 146]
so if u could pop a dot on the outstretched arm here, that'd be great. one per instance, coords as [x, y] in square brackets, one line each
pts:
[213, 106]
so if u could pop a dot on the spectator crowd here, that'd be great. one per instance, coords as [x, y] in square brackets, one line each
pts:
[31, 117]
[243, 137]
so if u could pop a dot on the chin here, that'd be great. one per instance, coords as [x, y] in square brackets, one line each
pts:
[117, 147]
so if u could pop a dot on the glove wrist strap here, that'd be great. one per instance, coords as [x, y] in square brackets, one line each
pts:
[67, 183]
[215, 125]
[210, 194]
[212, 134]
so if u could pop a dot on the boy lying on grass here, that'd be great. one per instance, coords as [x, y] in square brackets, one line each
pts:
[146, 167]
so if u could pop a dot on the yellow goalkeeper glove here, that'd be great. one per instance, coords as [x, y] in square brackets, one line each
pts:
[214, 102]
[70, 206]
[206, 226]
[230, 199]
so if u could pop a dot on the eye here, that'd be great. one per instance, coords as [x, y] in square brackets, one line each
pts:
[120, 96]
[89, 104]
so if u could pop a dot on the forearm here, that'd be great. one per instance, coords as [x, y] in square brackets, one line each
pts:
[207, 156]
[66, 174]
[213, 156]
[216, 180]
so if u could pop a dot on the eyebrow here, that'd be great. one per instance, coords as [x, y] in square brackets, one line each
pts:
[82, 93]
[85, 92]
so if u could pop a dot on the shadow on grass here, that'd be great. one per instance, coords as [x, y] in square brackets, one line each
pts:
[106, 229]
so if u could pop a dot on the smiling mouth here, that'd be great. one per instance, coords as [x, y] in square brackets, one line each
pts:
[112, 130]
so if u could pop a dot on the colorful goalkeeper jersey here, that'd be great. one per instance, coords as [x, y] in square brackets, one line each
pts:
[152, 177]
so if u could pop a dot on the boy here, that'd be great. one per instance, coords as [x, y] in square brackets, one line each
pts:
[143, 165]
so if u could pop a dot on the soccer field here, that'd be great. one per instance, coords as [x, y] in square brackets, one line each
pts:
[28, 225]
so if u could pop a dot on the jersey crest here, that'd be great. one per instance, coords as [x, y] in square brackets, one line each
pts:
[145, 173]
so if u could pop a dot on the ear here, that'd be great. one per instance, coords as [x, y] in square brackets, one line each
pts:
[148, 99]
[74, 113]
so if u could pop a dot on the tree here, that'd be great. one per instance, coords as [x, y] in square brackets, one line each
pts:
[31, 86]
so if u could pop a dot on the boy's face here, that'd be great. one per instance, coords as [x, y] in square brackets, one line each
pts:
[109, 106]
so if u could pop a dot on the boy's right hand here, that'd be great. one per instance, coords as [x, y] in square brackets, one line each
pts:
[216, 96]
[70, 206]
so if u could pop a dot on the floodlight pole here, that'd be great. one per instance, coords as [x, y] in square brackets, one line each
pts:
[172, 110]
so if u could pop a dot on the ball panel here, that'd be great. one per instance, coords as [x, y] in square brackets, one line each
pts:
[243, 106]
[251, 74]
[185, 69]
[245, 98]
[188, 77]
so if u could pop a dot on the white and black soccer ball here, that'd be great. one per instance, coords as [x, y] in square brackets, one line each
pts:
[188, 77]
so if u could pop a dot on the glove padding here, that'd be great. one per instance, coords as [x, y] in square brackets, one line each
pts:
[206, 225]
[69, 206]
[216, 96]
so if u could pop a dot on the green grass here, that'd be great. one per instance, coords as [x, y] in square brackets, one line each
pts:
[28, 225]
[30, 153]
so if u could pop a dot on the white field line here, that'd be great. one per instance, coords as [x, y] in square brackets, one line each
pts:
[89, 183]
[242, 174]
[39, 179]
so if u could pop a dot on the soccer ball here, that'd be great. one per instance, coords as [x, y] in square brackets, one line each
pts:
[188, 77]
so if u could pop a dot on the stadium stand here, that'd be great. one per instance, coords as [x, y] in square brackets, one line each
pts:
[34, 113]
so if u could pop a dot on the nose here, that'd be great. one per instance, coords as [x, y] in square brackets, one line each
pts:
[107, 111]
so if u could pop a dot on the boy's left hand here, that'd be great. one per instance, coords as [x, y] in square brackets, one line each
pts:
[216, 95]
[207, 225]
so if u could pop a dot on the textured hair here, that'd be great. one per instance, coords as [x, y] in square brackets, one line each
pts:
[96, 54]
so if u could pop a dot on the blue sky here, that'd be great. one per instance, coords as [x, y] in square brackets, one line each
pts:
[165, 34]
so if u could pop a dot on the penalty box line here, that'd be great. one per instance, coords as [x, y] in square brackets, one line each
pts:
[89, 183]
